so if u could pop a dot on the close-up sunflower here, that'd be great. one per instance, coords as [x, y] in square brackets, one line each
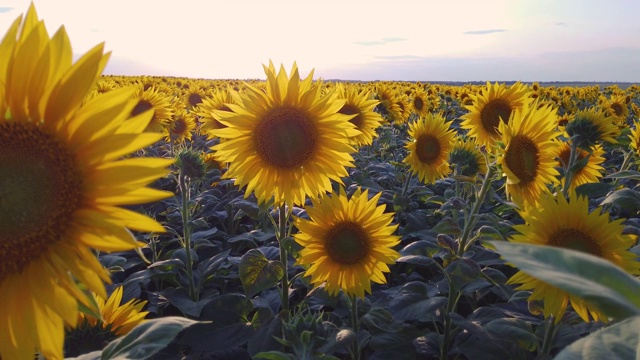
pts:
[529, 157]
[117, 319]
[490, 107]
[431, 141]
[62, 184]
[556, 221]
[347, 242]
[591, 172]
[361, 105]
[420, 103]
[287, 142]
[466, 159]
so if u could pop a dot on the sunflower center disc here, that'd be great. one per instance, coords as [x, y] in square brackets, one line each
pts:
[565, 154]
[428, 148]
[575, 240]
[347, 243]
[617, 108]
[39, 191]
[141, 106]
[491, 114]
[522, 159]
[349, 109]
[285, 138]
[179, 126]
[418, 104]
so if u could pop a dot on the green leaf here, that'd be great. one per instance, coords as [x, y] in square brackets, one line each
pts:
[146, 339]
[258, 273]
[624, 198]
[626, 174]
[594, 190]
[597, 281]
[616, 342]
[447, 226]
[273, 355]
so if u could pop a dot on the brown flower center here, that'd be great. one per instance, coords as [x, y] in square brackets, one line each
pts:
[428, 148]
[576, 240]
[347, 243]
[418, 103]
[194, 99]
[40, 189]
[522, 159]
[142, 106]
[617, 108]
[349, 109]
[285, 138]
[492, 113]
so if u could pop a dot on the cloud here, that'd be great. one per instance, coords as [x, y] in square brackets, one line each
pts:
[4, 9]
[379, 42]
[482, 32]
[560, 23]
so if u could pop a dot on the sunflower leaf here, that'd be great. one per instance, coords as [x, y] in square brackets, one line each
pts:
[619, 341]
[258, 273]
[624, 198]
[597, 281]
[146, 339]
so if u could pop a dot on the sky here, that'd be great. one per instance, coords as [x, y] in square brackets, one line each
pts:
[368, 40]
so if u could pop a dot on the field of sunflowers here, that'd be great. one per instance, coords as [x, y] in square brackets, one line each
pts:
[295, 218]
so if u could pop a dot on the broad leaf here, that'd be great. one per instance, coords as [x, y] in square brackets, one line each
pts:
[258, 273]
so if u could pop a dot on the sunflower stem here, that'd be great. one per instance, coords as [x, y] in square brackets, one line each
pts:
[282, 234]
[186, 234]
[452, 303]
[569, 171]
[549, 334]
[355, 323]
[471, 221]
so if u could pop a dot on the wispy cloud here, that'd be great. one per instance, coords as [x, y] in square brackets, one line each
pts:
[482, 32]
[379, 42]
[5, 9]
[560, 23]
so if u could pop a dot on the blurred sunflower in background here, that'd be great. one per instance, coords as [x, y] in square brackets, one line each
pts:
[634, 136]
[217, 101]
[117, 320]
[286, 143]
[431, 142]
[617, 106]
[361, 106]
[590, 172]
[347, 242]
[490, 107]
[388, 106]
[181, 126]
[158, 103]
[529, 157]
[567, 223]
[62, 184]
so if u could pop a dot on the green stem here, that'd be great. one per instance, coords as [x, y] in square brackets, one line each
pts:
[355, 323]
[452, 303]
[281, 235]
[186, 234]
[549, 334]
[471, 221]
[569, 171]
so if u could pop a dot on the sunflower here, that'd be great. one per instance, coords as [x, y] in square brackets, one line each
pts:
[62, 184]
[492, 106]
[428, 151]
[388, 107]
[467, 159]
[366, 120]
[181, 127]
[117, 320]
[288, 142]
[158, 102]
[590, 127]
[347, 242]
[556, 221]
[529, 157]
[591, 172]
[634, 136]
[217, 101]
[617, 106]
[420, 103]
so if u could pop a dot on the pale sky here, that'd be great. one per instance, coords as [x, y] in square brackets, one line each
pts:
[402, 40]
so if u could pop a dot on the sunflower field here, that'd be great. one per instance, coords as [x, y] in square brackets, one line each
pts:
[294, 218]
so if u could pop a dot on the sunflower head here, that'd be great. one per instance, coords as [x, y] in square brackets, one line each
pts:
[360, 105]
[634, 136]
[287, 142]
[490, 107]
[347, 242]
[589, 168]
[466, 159]
[567, 223]
[428, 150]
[590, 127]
